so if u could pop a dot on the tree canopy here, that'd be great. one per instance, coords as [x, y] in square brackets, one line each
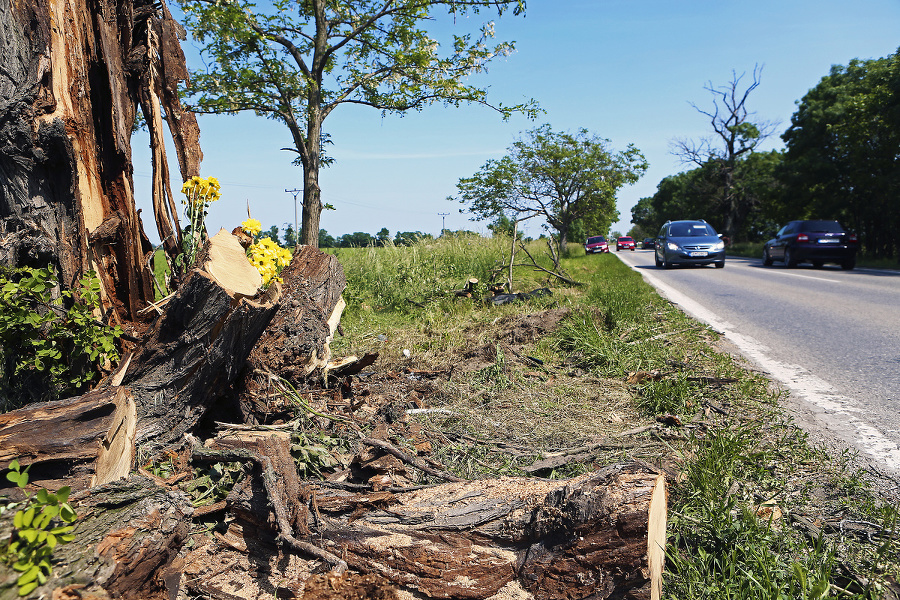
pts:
[561, 177]
[843, 152]
[696, 194]
[296, 62]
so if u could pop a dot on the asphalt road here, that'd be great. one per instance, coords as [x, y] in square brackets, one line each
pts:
[831, 337]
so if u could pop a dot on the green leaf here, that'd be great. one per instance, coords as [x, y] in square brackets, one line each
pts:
[29, 575]
[28, 517]
[27, 588]
[30, 535]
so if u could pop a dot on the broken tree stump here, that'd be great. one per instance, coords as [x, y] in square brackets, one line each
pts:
[600, 535]
[297, 340]
[197, 348]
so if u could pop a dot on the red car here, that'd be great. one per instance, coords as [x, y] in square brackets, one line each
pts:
[624, 242]
[596, 243]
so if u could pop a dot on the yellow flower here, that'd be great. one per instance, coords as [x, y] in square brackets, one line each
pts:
[252, 226]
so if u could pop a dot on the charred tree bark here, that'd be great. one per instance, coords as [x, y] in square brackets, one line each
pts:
[73, 72]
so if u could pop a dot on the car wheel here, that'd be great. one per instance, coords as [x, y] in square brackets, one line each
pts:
[656, 260]
[665, 264]
[817, 264]
[720, 265]
[767, 260]
[848, 265]
[790, 261]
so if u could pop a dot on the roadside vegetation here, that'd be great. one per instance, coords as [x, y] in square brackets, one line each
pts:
[755, 509]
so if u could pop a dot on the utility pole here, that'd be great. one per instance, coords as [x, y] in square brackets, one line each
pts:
[443, 217]
[295, 192]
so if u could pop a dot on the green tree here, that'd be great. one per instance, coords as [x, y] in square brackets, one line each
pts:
[383, 236]
[290, 236]
[843, 152]
[359, 239]
[735, 137]
[560, 177]
[408, 238]
[272, 234]
[695, 194]
[326, 240]
[501, 226]
[296, 62]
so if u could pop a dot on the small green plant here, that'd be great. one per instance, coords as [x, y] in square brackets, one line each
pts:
[494, 376]
[43, 521]
[50, 344]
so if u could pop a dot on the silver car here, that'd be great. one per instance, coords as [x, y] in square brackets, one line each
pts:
[689, 243]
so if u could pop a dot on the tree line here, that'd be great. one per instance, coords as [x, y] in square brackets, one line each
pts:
[360, 239]
[841, 160]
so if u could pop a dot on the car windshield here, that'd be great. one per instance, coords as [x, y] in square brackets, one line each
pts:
[691, 230]
[822, 227]
[596, 240]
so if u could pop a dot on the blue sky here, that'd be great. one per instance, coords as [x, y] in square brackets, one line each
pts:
[625, 70]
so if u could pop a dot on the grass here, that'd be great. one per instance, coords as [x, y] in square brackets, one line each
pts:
[756, 511]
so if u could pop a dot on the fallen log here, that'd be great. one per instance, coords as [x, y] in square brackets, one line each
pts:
[126, 541]
[79, 442]
[601, 535]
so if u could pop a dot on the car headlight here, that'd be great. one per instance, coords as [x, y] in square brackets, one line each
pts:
[719, 246]
[671, 245]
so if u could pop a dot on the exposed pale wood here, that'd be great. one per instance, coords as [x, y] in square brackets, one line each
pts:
[72, 76]
[61, 440]
[226, 261]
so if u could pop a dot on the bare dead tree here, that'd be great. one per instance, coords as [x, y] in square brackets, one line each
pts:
[736, 135]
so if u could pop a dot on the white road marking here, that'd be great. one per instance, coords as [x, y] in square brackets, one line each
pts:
[812, 389]
[805, 276]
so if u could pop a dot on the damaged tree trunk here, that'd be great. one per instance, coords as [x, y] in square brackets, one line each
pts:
[297, 341]
[73, 75]
[186, 366]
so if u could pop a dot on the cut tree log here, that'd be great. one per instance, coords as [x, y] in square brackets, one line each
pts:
[601, 535]
[127, 538]
[226, 261]
[79, 442]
